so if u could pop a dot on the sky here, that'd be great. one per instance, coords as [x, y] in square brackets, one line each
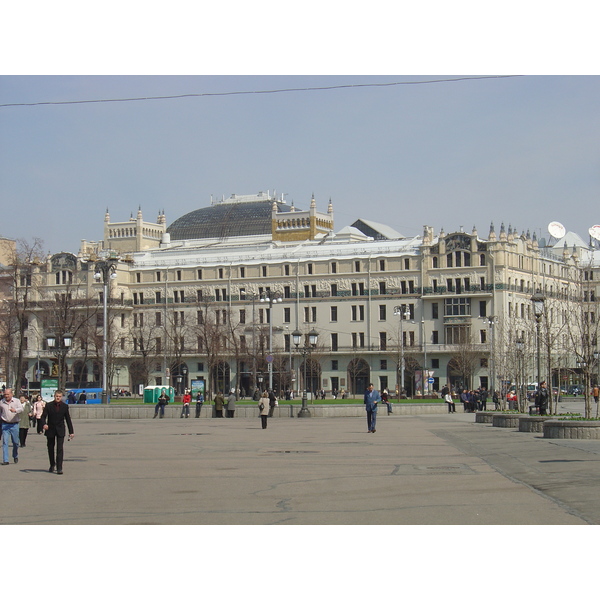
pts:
[517, 150]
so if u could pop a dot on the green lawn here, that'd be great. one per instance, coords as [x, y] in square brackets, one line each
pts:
[138, 401]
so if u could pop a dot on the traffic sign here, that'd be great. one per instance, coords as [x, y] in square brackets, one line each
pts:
[269, 358]
[431, 380]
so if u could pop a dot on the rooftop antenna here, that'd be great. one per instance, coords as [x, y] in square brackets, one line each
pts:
[594, 232]
[556, 230]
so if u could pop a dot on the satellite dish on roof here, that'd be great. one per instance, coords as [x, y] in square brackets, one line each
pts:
[595, 232]
[556, 230]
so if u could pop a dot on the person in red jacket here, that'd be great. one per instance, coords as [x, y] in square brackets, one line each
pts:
[185, 409]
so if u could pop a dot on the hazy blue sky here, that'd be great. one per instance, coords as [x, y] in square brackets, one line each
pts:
[520, 150]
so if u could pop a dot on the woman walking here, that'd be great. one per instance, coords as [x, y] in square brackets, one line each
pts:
[38, 409]
[24, 423]
[263, 407]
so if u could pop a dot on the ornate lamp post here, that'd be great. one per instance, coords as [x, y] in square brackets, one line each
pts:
[305, 350]
[61, 343]
[105, 271]
[538, 311]
[271, 298]
[403, 314]
[491, 322]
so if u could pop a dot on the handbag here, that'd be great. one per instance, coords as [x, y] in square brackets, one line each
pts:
[261, 406]
[448, 399]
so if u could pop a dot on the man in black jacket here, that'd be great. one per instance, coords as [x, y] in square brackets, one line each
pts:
[53, 423]
[541, 398]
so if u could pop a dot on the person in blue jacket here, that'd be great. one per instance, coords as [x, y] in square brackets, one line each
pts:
[372, 397]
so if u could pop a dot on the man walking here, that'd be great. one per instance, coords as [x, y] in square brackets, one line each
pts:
[53, 423]
[10, 409]
[372, 397]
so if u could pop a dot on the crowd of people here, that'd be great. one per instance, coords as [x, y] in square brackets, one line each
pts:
[20, 414]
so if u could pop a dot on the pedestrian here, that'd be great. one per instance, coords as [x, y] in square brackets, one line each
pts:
[541, 398]
[372, 397]
[231, 404]
[496, 398]
[187, 399]
[263, 407]
[385, 398]
[71, 398]
[447, 396]
[38, 409]
[199, 403]
[272, 402]
[219, 401]
[10, 412]
[82, 398]
[483, 396]
[24, 422]
[53, 423]
[163, 400]
[596, 393]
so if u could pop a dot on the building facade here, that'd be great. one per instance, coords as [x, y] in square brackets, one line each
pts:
[219, 293]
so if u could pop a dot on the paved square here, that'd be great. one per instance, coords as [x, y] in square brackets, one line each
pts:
[436, 469]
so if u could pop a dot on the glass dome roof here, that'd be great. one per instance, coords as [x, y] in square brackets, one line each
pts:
[226, 219]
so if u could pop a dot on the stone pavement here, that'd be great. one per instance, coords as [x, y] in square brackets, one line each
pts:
[418, 469]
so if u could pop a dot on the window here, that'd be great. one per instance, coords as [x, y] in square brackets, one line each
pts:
[334, 365]
[62, 277]
[157, 297]
[138, 277]
[435, 262]
[286, 269]
[158, 319]
[242, 272]
[199, 274]
[482, 260]
[382, 312]
[334, 289]
[158, 344]
[242, 315]
[382, 340]
[407, 264]
[382, 287]
[287, 291]
[199, 295]
[382, 264]
[334, 267]
[309, 268]
[383, 364]
[264, 270]
[482, 308]
[483, 336]
[221, 273]
[457, 307]
[158, 275]
[287, 314]
[357, 266]
[334, 343]
[457, 334]
[435, 337]
[178, 275]
[358, 312]
[434, 311]
[333, 311]
[199, 318]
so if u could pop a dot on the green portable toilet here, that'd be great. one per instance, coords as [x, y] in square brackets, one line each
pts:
[152, 392]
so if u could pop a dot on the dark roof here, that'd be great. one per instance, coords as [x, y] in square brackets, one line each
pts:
[226, 219]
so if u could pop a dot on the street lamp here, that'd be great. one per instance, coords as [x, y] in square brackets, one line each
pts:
[403, 314]
[520, 345]
[259, 378]
[305, 350]
[271, 298]
[538, 311]
[105, 271]
[490, 322]
[62, 343]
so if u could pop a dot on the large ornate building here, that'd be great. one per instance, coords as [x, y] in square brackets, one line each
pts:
[220, 292]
